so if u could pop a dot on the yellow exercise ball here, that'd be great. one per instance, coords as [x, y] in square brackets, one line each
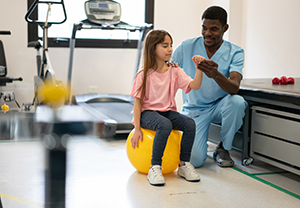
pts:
[141, 157]
[53, 94]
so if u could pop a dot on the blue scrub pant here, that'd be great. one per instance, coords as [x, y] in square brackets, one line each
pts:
[229, 112]
[163, 123]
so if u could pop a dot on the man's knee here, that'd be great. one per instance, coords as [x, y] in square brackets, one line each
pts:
[238, 102]
[234, 105]
[198, 159]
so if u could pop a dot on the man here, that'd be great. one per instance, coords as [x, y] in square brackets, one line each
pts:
[216, 100]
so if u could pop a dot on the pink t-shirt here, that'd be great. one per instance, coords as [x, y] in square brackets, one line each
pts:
[161, 88]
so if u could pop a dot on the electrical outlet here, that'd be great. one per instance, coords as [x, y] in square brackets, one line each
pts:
[93, 89]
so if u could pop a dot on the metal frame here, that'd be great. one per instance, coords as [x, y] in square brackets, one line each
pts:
[90, 43]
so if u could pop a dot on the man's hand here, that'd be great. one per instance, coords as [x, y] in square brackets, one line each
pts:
[230, 85]
[173, 64]
[209, 67]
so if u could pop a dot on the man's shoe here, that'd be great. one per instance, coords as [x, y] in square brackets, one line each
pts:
[188, 172]
[155, 176]
[222, 157]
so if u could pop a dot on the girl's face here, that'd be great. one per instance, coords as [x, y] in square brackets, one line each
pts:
[164, 50]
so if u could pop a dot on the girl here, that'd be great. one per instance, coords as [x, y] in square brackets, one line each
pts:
[154, 91]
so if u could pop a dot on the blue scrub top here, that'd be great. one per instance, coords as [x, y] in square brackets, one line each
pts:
[229, 57]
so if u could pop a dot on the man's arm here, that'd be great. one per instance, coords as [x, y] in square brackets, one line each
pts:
[230, 85]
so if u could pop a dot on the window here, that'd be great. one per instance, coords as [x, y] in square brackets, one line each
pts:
[59, 34]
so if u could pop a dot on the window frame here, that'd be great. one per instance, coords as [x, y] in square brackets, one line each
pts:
[88, 43]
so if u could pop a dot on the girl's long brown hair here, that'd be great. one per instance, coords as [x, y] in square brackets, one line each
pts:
[153, 38]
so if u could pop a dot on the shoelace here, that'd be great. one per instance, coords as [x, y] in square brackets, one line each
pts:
[190, 168]
[156, 170]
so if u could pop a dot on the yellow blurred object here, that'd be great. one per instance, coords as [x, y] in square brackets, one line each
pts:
[54, 95]
[5, 108]
[140, 157]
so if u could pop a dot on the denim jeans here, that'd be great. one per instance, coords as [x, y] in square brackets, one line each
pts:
[163, 123]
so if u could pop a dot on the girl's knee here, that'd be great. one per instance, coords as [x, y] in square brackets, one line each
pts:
[165, 126]
[190, 124]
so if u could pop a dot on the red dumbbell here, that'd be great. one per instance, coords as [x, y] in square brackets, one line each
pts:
[283, 80]
[290, 80]
[276, 80]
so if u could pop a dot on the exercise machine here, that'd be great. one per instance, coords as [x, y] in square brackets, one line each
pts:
[57, 122]
[116, 109]
[45, 72]
[7, 96]
[3, 67]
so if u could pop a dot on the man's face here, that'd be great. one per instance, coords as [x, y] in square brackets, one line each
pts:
[212, 32]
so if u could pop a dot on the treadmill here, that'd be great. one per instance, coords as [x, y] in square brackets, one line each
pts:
[114, 109]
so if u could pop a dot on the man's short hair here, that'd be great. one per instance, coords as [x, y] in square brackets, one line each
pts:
[215, 12]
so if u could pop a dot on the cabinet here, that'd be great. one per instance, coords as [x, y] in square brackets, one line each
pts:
[275, 137]
[271, 129]
[274, 122]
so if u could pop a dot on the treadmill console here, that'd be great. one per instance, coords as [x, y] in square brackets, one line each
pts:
[103, 11]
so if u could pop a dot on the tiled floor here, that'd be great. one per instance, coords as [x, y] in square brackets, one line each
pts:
[99, 174]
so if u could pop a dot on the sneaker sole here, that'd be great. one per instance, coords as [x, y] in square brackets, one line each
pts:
[156, 184]
[195, 180]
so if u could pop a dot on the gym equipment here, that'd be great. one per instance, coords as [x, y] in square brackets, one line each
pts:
[140, 157]
[275, 81]
[103, 12]
[291, 80]
[3, 66]
[53, 95]
[115, 109]
[45, 72]
[283, 80]
[57, 122]
[7, 96]
[4, 108]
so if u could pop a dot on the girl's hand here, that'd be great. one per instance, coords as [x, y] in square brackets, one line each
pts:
[135, 138]
[198, 59]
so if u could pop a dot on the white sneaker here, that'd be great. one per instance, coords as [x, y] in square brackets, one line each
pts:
[155, 176]
[188, 172]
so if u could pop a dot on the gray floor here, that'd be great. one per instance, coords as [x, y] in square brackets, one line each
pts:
[100, 175]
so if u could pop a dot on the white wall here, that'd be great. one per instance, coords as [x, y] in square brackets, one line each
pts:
[182, 19]
[271, 38]
[267, 29]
